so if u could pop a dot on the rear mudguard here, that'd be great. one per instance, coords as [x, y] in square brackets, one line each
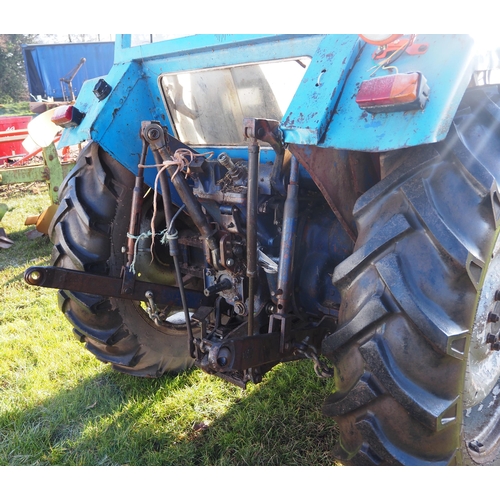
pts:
[323, 112]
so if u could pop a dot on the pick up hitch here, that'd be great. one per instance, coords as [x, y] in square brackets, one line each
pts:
[240, 358]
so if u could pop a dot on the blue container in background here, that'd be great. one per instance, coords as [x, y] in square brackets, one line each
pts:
[46, 64]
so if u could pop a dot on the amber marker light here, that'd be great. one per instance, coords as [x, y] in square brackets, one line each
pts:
[400, 92]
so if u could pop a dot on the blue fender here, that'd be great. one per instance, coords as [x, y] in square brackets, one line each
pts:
[448, 65]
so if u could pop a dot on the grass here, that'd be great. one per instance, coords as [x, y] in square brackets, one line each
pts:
[15, 109]
[60, 406]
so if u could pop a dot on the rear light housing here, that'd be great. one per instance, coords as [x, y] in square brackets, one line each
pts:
[379, 39]
[67, 116]
[400, 92]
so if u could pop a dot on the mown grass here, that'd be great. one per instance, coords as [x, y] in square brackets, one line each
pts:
[60, 406]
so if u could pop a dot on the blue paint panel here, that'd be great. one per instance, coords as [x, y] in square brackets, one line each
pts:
[448, 66]
[214, 48]
[98, 114]
[135, 96]
[339, 122]
[306, 119]
[265, 49]
[55, 61]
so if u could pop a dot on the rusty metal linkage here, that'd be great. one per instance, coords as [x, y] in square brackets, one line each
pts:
[78, 281]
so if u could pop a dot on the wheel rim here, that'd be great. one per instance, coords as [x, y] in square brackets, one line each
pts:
[481, 388]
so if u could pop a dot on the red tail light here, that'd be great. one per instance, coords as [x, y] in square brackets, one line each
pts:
[67, 116]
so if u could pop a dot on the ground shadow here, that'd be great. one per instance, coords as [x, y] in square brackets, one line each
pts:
[114, 419]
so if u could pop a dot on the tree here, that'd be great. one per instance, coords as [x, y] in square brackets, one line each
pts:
[13, 83]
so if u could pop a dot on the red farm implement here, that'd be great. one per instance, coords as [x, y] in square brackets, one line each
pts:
[18, 165]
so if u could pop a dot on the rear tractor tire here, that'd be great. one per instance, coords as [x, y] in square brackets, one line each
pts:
[416, 352]
[88, 233]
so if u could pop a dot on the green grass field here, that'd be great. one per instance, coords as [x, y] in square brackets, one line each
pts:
[14, 109]
[60, 406]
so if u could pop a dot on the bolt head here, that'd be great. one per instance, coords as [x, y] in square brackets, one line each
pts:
[240, 308]
[153, 134]
[270, 308]
[476, 446]
[491, 339]
[493, 317]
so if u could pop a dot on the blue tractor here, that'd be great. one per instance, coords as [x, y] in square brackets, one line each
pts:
[247, 200]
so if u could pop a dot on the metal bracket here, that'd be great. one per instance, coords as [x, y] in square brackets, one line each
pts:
[265, 131]
[414, 49]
